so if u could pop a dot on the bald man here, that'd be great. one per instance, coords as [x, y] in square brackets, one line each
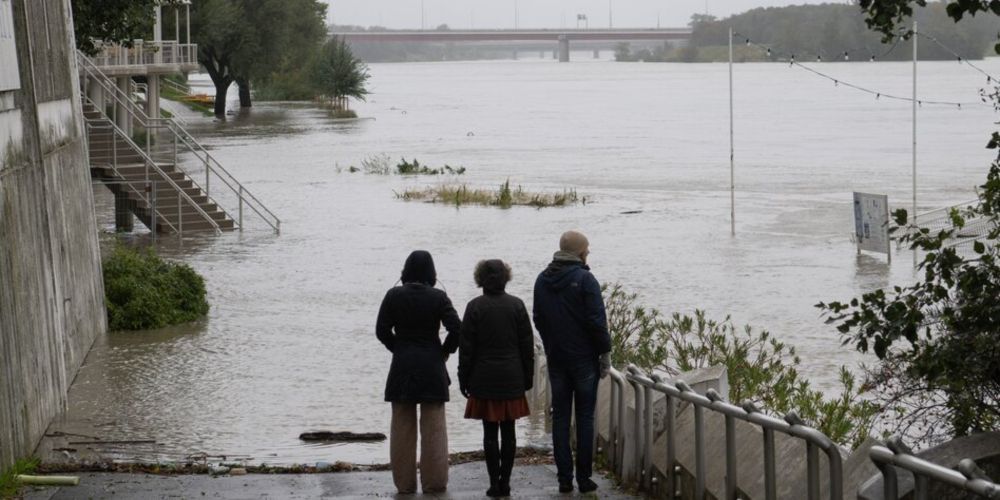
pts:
[570, 317]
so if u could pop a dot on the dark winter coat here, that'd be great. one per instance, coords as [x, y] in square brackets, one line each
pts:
[496, 357]
[569, 314]
[408, 325]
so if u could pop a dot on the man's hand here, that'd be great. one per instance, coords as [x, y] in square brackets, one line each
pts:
[605, 364]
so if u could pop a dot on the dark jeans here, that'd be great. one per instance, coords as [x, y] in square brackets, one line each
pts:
[574, 385]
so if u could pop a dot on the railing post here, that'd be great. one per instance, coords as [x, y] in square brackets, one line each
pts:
[921, 487]
[207, 172]
[648, 439]
[699, 451]
[671, 448]
[241, 207]
[812, 474]
[770, 486]
[890, 489]
[638, 442]
[180, 216]
[613, 426]
[151, 187]
[731, 472]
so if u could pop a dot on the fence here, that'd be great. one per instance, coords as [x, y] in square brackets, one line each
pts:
[145, 52]
[645, 440]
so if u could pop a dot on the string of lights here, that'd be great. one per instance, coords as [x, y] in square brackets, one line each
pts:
[989, 78]
[839, 82]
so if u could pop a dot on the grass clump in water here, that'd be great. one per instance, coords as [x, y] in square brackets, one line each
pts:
[8, 483]
[503, 197]
[415, 168]
[143, 291]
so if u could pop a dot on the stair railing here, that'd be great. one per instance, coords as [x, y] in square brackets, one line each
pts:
[182, 138]
[119, 134]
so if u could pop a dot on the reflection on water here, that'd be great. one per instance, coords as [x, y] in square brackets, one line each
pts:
[289, 344]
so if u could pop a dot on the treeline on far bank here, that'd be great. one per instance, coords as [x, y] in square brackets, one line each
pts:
[827, 31]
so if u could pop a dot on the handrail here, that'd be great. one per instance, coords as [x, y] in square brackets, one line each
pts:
[968, 478]
[145, 52]
[212, 166]
[114, 168]
[792, 426]
[150, 163]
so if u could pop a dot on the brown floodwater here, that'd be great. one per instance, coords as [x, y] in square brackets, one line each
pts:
[289, 343]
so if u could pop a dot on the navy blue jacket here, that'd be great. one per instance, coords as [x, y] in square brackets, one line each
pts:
[569, 313]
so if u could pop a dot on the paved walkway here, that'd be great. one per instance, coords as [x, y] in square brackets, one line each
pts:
[466, 481]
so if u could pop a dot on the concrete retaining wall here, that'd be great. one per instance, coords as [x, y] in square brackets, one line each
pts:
[51, 291]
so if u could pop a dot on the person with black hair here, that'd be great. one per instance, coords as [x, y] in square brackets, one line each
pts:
[496, 365]
[409, 322]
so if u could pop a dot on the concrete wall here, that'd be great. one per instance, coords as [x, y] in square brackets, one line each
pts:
[51, 291]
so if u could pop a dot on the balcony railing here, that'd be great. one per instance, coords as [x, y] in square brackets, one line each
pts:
[143, 53]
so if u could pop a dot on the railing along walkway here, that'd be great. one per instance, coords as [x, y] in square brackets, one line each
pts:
[638, 436]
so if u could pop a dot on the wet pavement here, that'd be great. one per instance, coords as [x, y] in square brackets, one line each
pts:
[466, 481]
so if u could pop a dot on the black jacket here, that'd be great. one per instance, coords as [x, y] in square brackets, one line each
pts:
[496, 358]
[569, 314]
[408, 325]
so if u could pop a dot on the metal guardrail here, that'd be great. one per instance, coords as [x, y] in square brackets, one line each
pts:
[645, 390]
[968, 477]
[940, 219]
[181, 139]
[144, 52]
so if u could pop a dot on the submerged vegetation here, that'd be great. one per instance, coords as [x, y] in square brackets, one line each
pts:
[503, 197]
[381, 164]
[761, 370]
[143, 291]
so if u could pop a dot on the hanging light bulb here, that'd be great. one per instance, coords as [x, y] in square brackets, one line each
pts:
[846, 56]
[959, 59]
[877, 95]
[836, 83]
[819, 58]
[748, 42]
[769, 52]
[792, 60]
[873, 58]
[959, 105]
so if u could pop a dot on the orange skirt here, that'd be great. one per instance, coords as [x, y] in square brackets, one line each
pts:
[497, 410]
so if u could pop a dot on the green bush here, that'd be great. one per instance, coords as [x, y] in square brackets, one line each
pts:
[143, 291]
[761, 369]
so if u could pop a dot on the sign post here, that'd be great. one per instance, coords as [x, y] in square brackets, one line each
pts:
[871, 223]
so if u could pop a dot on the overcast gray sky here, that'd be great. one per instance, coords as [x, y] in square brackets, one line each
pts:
[460, 14]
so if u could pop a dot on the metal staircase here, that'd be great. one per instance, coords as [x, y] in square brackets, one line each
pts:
[143, 170]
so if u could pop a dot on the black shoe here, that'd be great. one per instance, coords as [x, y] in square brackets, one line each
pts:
[566, 487]
[495, 492]
[586, 485]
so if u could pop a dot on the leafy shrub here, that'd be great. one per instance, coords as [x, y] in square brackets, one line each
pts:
[143, 291]
[761, 369]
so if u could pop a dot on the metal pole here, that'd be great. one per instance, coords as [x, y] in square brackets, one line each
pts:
[207, 171]
[611, 23]
[914, 128]
[422, 25]
[732, 161]
[180, 216]
[241, 207]
[153, 202]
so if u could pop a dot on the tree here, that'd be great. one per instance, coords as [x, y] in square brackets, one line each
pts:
[115, 21]
[340, 75]
[248, 40]
[884, 16]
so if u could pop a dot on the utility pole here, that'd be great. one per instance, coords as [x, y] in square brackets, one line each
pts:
[515, 14]
[422, 18]
[611, 16]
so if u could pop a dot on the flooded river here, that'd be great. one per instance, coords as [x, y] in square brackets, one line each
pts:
[289, 343]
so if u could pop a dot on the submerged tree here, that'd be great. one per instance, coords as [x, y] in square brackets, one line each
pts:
[247, 40]
[339, 75]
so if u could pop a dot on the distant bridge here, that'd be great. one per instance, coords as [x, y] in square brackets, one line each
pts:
[560, 36]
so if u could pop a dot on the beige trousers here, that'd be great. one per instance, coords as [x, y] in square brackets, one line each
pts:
[433, 447]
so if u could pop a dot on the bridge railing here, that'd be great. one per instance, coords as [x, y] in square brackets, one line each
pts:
[644, 443]
[968, 478]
